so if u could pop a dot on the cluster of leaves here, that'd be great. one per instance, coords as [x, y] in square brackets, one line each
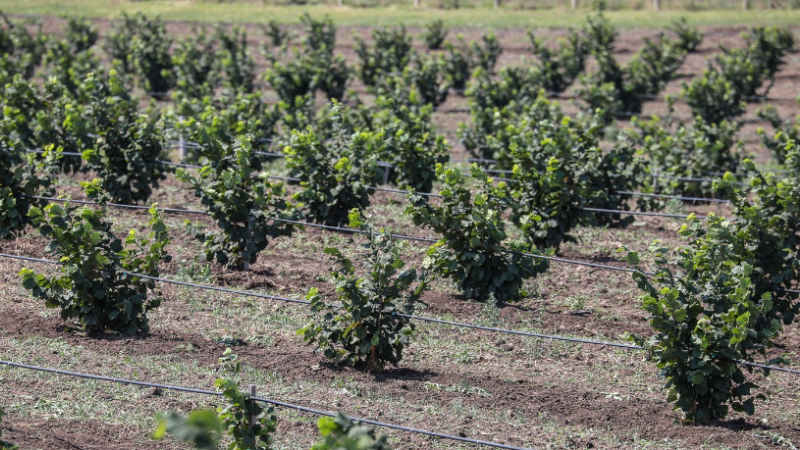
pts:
[366, 330]
[196, 64]
[69, 66]
[23, 175]
[129, 148]
[689, 38]
[237, 66]
[734, 75]
[558, 170]
[434, 34]
[473, 231]
[97, 286]
[520, 85]
[243, 206]
[494, 127]
[142, 48]
[335, 175]
[685, 156]
[560, 67]
[728, 305]
[319, 34]
[621, 90]
[785, 130]
[297, 79]
[462, 59]
[80, 34]
[279, 36]
[20, 52]
[249, 425]
[341, 432]
[390, 53]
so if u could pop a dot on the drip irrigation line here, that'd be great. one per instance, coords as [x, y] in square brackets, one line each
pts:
[641, 213]
[258, 399]
[396, 236]
[415, 317]
[674, 197]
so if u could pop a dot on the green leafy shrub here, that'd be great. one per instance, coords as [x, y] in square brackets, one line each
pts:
[486, 53]
[434, 34]
[429, 77]
[341, 432]
[410, 144]
[561, 67]
[335, 175]
[520, 85]
[390, 53]
[196, 64]
[118, 44]
[80, 34]
[294, 78]
[237, 65]
[458, 64]
[150, 56]
[277, 35]
[713, 98]
[129, 149]
[558, 169]
[249, 425]
[786, 130]
[243, 206]
[473, 230]
[23, 175]
[366, 330]
[727, 306]
[690, 152]
[21, 52]
[319, 34]
[689, 38]
[599, 34]
[70, 68]
[95, 285]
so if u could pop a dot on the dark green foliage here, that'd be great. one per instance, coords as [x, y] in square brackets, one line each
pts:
[410, 144]
[294, 78]
[726, 306]
[366, 330]
[319, 34]
[690, 152]
[118, 44]
[598, 32]
[236, 419]
[277, 35]
[20, 52]
[434, 34]
[237, 65]
[335, 175]
[473, 230]
[243, 206]
[558, 169]
[519, 85]
[150, 57]
[68, 67]
[390, 53]
[21, 176]
[341, 433]
[196, 64]
[689, 38]
[485, 54]
[129, 149]
[458, 64]
[63, 123]
[429, 77]
[493, 129]
[95, 285]
[227, 118]
[204, 428]
[713, 98]
[332, 75]
[80, 34]
[785, 130]
[561, 67]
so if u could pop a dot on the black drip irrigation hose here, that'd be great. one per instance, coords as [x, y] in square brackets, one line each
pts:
[258, 399]
[413, 317]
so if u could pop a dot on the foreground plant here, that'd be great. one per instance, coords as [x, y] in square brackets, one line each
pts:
[248, 425]
[730, 303]
[244, 206]
[366, 330]
[471, 251]
[341, 432]
[96, 286]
